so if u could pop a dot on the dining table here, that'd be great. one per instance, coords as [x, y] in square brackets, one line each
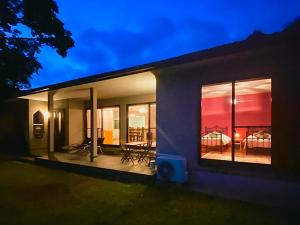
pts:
[142, 145]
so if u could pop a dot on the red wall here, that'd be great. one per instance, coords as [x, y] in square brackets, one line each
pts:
[251, 110]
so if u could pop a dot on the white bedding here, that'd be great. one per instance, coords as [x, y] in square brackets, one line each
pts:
[254, 142]
[215, 141]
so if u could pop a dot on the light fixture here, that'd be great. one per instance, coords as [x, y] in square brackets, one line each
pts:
[237, 135]
[46, 115]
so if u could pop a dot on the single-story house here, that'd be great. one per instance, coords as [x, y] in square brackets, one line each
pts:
[232, 107]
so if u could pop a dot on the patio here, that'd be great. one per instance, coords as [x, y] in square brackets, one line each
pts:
[112, 162]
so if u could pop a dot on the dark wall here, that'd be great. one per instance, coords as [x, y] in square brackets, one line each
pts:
[179, 95]
[14, 127]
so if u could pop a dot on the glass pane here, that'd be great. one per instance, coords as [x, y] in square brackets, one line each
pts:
[111, 131]
[253, 121]
[138, 120]
[216, 121]
[99, 123]
[88, 123]
[153, 121]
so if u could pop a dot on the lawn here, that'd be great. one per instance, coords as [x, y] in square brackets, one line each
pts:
[31, 194]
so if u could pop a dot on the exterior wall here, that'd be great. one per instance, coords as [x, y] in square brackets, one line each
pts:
[123, 103]
[14, 127]
[75, 118]
[76, 121]
[179, 108]
[34, 143]
[64, 104]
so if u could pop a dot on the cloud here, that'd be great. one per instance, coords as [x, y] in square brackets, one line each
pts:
[118, 48]
[98, 51]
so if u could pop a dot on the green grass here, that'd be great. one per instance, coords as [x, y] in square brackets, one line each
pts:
[31, 194]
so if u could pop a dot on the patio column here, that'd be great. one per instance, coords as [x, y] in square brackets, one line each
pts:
[93, 104]
[51, 122]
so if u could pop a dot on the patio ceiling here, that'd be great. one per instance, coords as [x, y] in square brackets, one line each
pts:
[137, 84]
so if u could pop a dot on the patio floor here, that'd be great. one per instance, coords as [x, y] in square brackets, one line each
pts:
[112, 162]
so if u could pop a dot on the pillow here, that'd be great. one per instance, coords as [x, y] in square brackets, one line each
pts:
[262, 135]
[214, 134]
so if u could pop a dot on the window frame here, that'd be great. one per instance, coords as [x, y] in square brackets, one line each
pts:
[101, 108]
[233, 122]
[127, 116]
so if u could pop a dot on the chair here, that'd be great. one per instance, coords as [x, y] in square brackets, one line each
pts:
[147, 147]
[138, 134]
[127, 154]
[99, 145]
[131, 134]
[141, 137]
[81, 146]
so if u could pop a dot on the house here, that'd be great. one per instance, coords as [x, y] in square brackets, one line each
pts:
[231, 108]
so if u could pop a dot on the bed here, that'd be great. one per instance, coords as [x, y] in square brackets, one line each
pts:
[215, 138]
[258, 138]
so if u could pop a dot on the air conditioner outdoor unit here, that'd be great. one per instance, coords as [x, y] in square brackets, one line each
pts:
[171, 168]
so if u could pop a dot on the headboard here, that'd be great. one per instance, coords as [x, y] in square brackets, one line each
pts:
[222, 130]
[254, 129]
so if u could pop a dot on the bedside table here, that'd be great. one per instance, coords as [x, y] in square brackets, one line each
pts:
[238, 142]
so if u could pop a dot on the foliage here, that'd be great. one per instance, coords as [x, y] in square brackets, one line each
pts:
[19, 49]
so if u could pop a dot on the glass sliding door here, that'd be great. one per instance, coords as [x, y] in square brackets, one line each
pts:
[253, 121]
[138, 122]
[111, 130]
[216, 121]
[153, 121]
[88, 123]
[142, 121]
[107, 124]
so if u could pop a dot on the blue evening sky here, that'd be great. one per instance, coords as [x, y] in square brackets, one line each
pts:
[115, 34]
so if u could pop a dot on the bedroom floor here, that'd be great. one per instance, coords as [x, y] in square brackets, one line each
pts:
[240, 156]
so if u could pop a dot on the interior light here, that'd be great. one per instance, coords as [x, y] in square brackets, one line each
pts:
[131, 115]
[237, 135]
[143, 110]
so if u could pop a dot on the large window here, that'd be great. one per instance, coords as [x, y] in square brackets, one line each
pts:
[236, 121]
[107, 124]
[216, 121]
[142, 122]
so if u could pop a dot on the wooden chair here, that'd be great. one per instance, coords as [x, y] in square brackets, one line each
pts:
[127, 154]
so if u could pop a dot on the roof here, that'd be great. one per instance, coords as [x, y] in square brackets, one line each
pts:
[257, 40]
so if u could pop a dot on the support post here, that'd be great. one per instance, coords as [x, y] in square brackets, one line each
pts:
[93, 106]
[233, 100]
[51, 122]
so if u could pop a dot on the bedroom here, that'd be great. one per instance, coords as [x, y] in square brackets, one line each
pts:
[236, 121]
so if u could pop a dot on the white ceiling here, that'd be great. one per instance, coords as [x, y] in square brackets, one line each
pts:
[137, 84]
[241, 88]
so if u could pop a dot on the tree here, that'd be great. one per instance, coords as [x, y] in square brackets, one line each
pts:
[19, 53]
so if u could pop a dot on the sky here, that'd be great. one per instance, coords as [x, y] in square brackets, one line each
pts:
[115, 34]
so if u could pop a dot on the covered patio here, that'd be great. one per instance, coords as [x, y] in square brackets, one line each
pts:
[90, 123]
[112, 162]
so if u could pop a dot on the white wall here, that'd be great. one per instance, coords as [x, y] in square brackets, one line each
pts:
[76, 114]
